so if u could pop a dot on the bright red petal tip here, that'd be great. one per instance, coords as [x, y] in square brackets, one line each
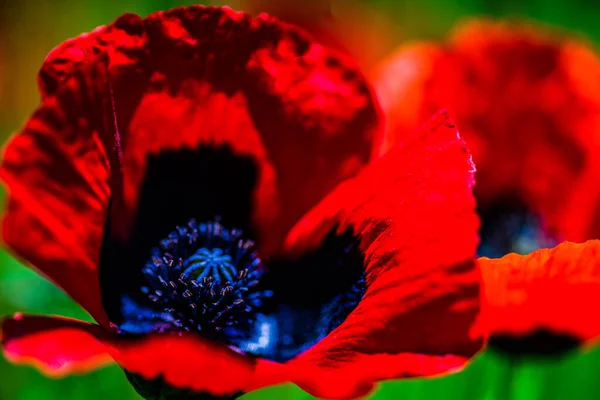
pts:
[415, 214]
[59, 346]
[56, 346]
[556, 289]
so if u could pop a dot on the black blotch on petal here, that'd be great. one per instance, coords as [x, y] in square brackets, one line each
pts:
[312, 279]
[179, 185]
[312, 295]
[540, 344]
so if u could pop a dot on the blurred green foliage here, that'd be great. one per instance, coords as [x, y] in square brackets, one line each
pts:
[29, 29]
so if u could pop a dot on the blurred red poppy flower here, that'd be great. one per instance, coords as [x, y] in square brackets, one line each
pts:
[528, 104]
[202, 183]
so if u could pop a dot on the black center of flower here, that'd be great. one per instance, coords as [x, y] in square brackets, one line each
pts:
[208, 279]
[203, 278]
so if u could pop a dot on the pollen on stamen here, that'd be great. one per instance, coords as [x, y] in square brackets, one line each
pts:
[202, 278]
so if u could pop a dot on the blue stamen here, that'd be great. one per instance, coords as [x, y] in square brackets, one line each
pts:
[202, 278]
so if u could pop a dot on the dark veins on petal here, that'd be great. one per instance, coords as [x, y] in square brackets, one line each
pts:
[191, 264]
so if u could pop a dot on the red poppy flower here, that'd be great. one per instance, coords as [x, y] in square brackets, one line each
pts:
[201, 182]
[528, 103]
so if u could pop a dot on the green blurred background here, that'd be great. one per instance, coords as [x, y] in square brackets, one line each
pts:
[29, 29]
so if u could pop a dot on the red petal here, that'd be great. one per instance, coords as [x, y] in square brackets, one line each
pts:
[525, 102]
[210, 75]
[553, 289]
[57, 173]
[355, 377]
[60, 346]
[415, 214]
[56, 346]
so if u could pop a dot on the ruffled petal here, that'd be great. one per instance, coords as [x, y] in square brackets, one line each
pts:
[57, 174]
[414, 213]
[550, 289]
[56, 346]
[524, 106]
[212, 76]
[59, 346]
